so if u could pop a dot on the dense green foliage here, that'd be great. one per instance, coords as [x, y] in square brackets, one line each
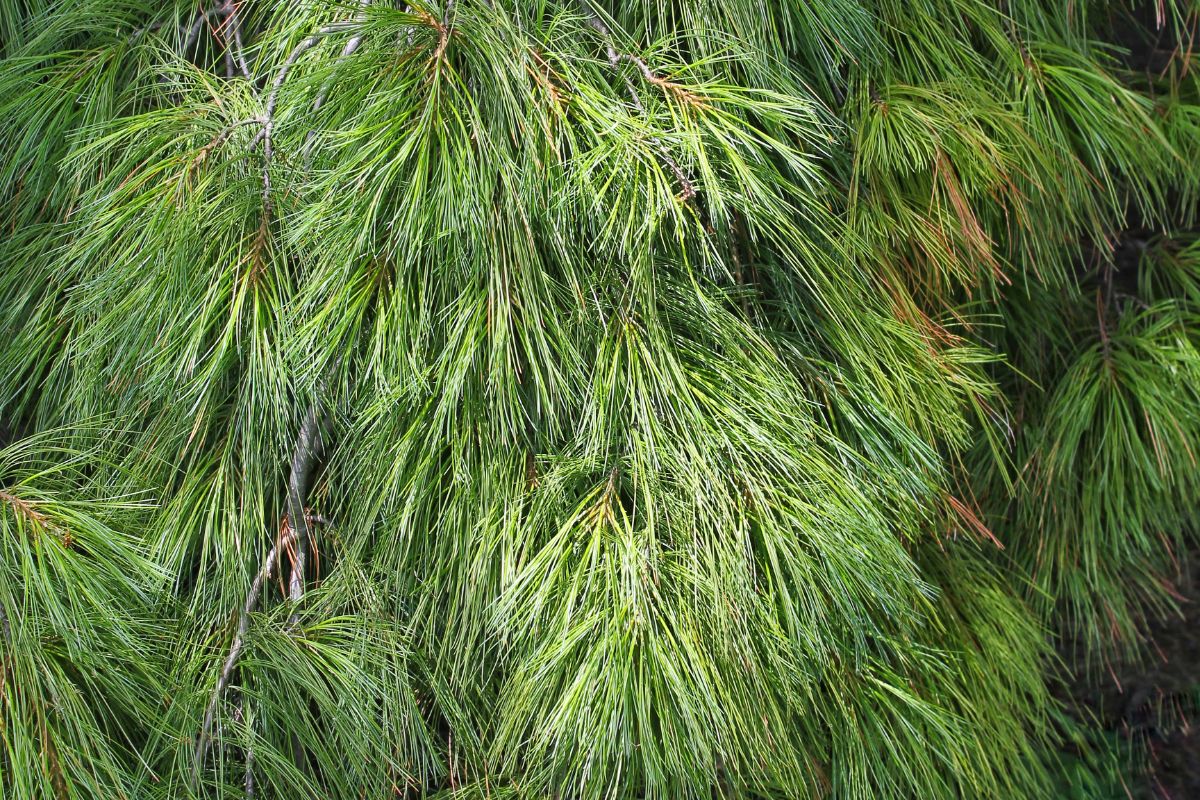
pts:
[666, 399]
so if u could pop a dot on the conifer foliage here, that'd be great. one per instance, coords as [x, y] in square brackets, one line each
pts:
[648, 399]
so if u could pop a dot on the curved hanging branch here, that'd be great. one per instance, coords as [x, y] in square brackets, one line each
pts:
[347, 51]
[615, 57]
[230, 10]
[193, 34]
[273, 97]
[265, 571]
[293, 538]
[235, 53]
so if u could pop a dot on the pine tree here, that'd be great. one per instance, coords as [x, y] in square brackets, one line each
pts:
[587, 399]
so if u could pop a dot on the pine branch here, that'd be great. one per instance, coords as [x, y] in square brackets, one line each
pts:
[248, 781]
[295, 535]
[193, 35]
[268, 128]
[615, 57]
[304, 458]
[265, 571]
[323, 93]
[517, 276]
[221, 138]
[234, 22]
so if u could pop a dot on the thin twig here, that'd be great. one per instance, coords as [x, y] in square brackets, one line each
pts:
[615, 57]
[239, 642]
[249, 778]
[234, 22]
[300, 49]
[347, 51]
[221, 138]
[593, 19]
[1102, 322]
[295, 533]
[193, 36]
[304, 458]
[26, 509]
[273, 101]
[242, 715]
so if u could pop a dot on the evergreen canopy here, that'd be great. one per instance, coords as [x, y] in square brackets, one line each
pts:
[666, 399]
